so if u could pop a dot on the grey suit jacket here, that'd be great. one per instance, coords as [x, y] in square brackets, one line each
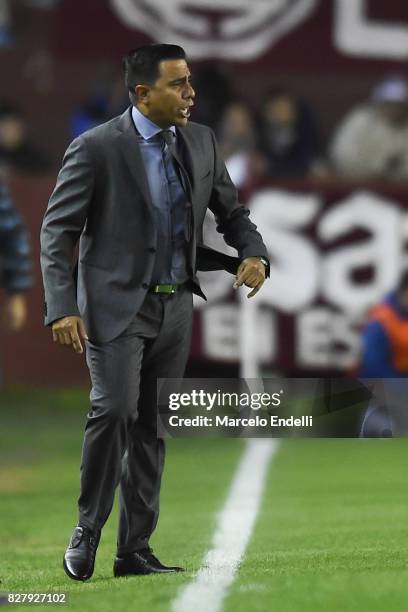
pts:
[102, 199]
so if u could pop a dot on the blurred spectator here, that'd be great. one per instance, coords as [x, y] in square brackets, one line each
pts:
[15, 265]
[236, 137]
[385, 337]
[215, 93]
[16, 151]
[288, 136]
[107, 102]
[6, 35]
[384, 356]
[6, 21]
[92, 112]
[372, 140]
[39, 72]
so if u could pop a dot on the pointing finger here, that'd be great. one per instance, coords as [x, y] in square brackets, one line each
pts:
[255, 289]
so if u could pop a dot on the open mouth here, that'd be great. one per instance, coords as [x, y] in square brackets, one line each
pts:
[185, 112]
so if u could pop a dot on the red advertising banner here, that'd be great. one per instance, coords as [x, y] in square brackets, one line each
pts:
[334, 249]
[366, 36]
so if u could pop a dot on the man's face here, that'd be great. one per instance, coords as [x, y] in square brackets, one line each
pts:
[281, 110]
[168, 100]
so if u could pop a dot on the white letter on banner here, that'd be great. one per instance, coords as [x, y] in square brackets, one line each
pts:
[354, 34]
[325, 340]
[313, 339]
[295, 268]
[382, 251]
[221, 334]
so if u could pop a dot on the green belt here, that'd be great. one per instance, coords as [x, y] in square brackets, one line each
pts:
[164, 288]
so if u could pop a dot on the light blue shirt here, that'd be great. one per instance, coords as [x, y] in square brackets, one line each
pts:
[169, 201]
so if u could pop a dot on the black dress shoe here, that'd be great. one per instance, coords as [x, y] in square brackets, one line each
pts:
[141, 562]
[79, 558]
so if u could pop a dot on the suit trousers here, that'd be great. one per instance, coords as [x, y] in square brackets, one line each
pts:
[120, 442]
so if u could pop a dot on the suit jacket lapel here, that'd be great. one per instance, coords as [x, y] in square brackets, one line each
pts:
[185, 146]
[127, 139]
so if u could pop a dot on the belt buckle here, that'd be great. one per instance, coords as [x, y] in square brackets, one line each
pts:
[167, 289]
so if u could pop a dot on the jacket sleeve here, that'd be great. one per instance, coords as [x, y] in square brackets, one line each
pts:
[16, 266]
[231, 217]
[63, 223]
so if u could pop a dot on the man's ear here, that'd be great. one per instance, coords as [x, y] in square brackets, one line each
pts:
[142, 93]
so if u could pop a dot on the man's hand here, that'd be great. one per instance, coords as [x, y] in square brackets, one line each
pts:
[251, 272]
[15, 312]
[68, 331]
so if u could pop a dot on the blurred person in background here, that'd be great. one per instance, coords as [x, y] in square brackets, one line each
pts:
[106, 101]
[6, 32]
[237, 139]
[384, 355]
[16, 151]
[7, 37]
[215, 88]
[15, 264]
[288, 136]
[371, 142]
[89, 114]
[384, 351]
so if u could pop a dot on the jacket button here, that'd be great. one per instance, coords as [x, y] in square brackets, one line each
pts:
[145, 285]
[151, 250]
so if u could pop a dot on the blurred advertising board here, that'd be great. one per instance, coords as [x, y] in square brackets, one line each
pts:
[322, 36]
[335, 250]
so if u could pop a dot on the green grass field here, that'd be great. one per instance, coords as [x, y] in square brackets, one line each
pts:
[331, 533]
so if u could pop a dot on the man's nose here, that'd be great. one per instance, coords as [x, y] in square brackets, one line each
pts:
[190, 93]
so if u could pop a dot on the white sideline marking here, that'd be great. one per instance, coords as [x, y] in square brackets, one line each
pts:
[234, 528]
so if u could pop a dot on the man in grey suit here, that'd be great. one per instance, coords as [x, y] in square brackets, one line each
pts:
[134, 192]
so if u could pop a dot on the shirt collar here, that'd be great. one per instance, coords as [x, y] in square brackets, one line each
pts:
[146, 128]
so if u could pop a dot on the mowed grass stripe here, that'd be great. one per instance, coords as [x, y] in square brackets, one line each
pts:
[332, 531]
[40, 446]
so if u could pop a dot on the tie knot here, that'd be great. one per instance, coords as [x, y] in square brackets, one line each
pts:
[167, 136]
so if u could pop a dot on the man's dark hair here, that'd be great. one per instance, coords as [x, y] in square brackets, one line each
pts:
[141, 66]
